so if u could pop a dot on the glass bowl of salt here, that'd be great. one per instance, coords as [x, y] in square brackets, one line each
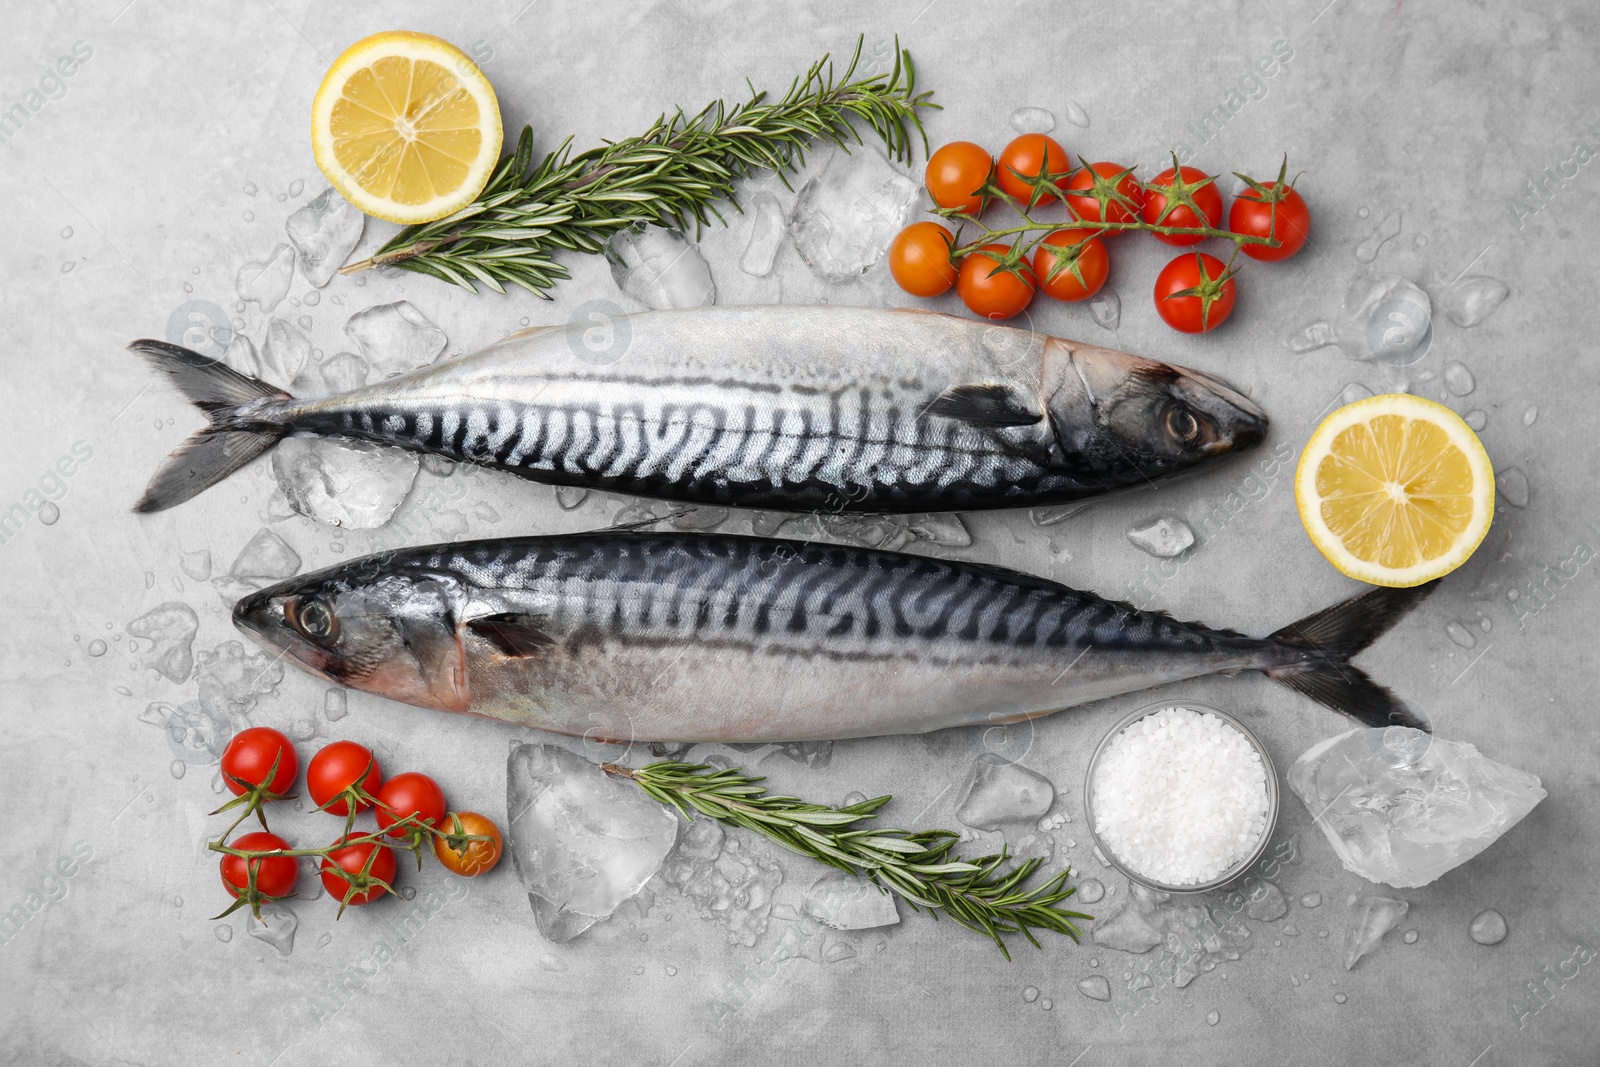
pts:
[1180, 797]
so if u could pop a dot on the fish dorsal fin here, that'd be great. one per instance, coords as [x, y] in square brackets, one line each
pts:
[985, 405]
[512, 632]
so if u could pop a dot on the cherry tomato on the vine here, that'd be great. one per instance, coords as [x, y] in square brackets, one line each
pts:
[990, 290]
[1276, 210]
[1194, 293]
[409, 794]
[919, 259]
[477, 857]
[353, 860]
[1164, 206]
[336, 768]
[275, 875]
[956, 172]
[248, 761]
[1091, 260]
[1109, 182]
[1030, 156]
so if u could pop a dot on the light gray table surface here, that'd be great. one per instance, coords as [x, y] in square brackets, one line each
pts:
[172, 156]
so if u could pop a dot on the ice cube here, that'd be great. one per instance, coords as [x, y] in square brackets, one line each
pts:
[265, 557]
[767, 226]
[354, 484]
[1386, 319]
[170, 629]
[1005, 796]
[845, 217]
[344, 371]
[285, 354]
[732, 888]
[1032, 120]
[1370, 919]
[1095, 987]
[232, 680]
[659, 268]
[1473, 299]
[582, 841]
[1266, 903]
[849, 903]
[1402, 807]
[1128, 930]
[1163, 537]
[324, 232]
[266, 282]
[241, 355]
[277, 926]
[1105, 307]
[395, 338]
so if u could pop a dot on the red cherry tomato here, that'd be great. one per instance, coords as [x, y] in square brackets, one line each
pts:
[475, 857]
[275, 875]
[249, 758]
[353, 860]
[955, 174]
[1029, 156]
[919, 259]
[1163, 204]
[1279, 212]
[336, 768]
[990, 291]
[1092, 263]
[409, 794]
[1194, 293]
[1111, 182]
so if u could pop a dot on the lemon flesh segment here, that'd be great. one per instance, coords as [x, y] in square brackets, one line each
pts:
[406, 127]
[1395, 490]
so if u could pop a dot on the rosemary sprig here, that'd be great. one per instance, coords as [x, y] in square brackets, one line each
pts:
[672, 175]
[983, 894]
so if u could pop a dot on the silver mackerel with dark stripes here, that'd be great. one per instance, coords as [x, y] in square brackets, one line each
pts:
[682, 637]
[798, 408]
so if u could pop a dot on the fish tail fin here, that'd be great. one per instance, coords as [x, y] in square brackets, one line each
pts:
[233, 438]
[1328, 639]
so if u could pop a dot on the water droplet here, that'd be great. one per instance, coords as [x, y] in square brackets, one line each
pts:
[1291, 930]
[1382, 234]
[1458, 379]
[1076, 115]
[409, 892]
[1047, 1003]
[224, 933]
[96, 647]
[1488, 927]
[66, 268]
[1030, 994]
[1312, 336]
[1511, 485]
[297, 187]
[1213, 1018]
[1311, 900]
[1473, 299]
[1339, 998]
[1095, 987]
[1476, 419]
[1091, 891]
[1485, 625]
[1322, 933]
[249, 216]
[178, 768]
[125, 691]
[282, 197]
[1094, 961]
[1460, 634]
[1410, 937]
[49, 514]
[250, 189]
[1421, 240]
[1106, 308]
[66, 233]
[1363, 212]
[325, 940]
[1032, 120]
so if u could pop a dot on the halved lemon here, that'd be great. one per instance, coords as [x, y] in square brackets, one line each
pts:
[1395, 490]
[406, 127]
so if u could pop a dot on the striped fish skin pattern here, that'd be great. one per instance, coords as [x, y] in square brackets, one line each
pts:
[656, 637]
[802, 408]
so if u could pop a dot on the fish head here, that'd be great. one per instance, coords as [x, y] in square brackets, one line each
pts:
[1142, 418]
[383, 630]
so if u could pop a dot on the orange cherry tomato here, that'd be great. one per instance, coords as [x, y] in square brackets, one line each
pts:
[992, 292]
[1092, 261]
[919, 259]
[475, 857]
[955, 174]
[1029, 156]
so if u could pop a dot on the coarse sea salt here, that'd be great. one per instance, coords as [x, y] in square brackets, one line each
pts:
[1180, 796]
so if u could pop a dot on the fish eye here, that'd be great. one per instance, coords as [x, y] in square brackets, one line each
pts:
[312, 618]
[1182, 425]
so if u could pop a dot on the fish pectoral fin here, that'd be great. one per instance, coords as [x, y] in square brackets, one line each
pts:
[513, 633]
[985, 405]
